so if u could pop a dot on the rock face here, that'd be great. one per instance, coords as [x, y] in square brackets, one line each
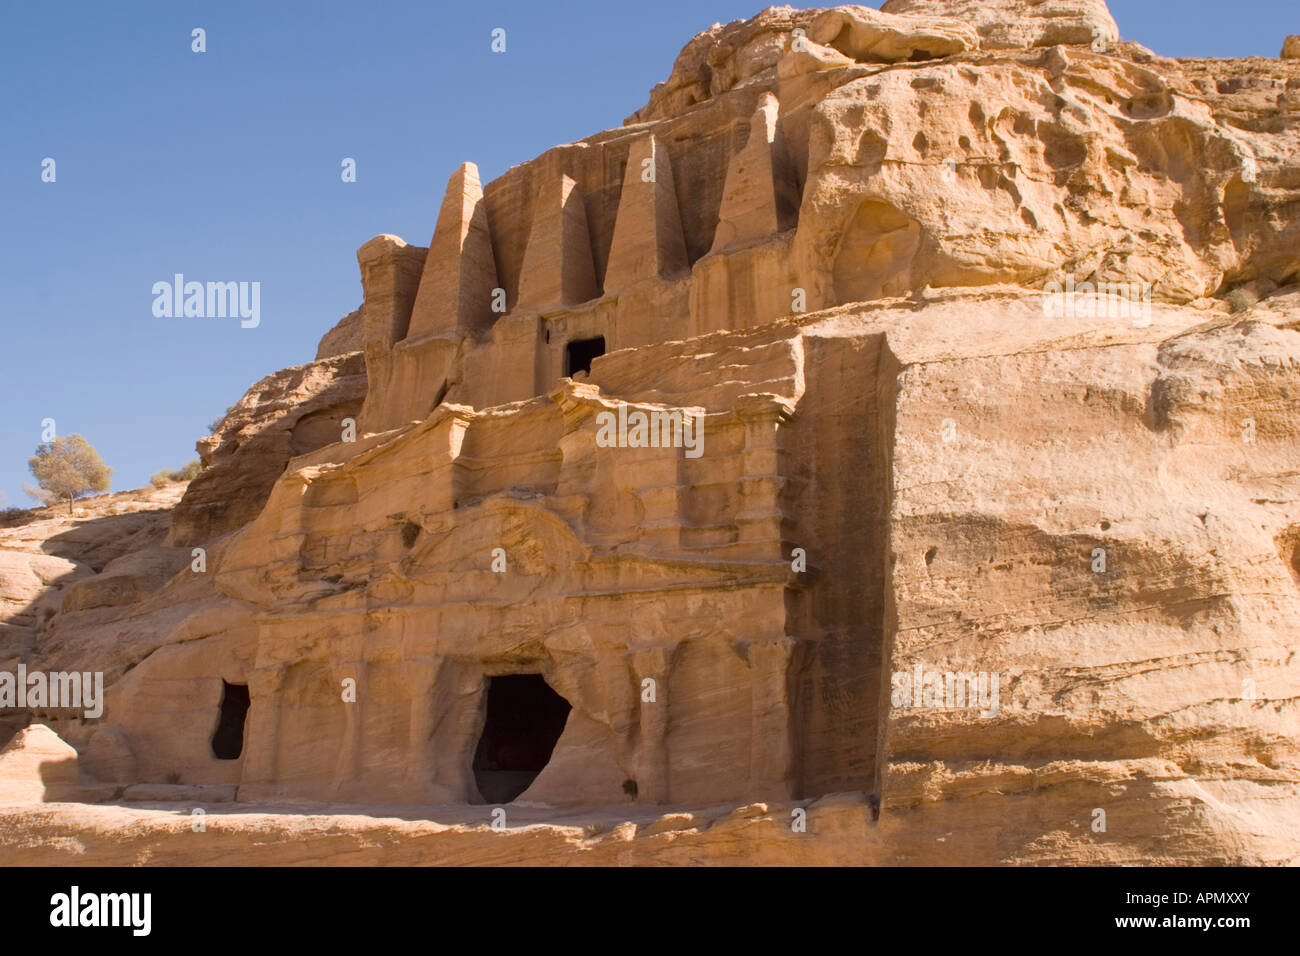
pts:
[108, 552]
[287, 413]
[35, 766]
[903, 405]
[1019, 24]
[343, 338]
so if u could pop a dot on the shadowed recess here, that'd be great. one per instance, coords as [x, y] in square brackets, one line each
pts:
[525, 718]
[579, 354]
[228, 741]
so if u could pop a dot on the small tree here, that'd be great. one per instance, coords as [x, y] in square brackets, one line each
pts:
[67, 469]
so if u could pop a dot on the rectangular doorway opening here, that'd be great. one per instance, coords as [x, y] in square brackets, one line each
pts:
[228, 740]
[525, 718]
[579, 354]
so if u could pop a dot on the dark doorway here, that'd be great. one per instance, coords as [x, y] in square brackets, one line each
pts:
[228, 741]
[579, 353]
[524, 720]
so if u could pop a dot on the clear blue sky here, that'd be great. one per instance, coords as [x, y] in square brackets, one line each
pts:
[225, 166]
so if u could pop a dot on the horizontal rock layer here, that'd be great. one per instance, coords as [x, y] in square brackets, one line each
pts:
[903, 404]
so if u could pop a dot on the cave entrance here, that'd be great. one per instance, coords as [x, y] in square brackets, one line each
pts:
[579, 353]
[228, 741]
[524, 720]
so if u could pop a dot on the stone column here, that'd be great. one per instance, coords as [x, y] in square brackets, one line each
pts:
[557, 267]
[752, 193]
[425, 715]
[348, 768]
[760, 515]
[459, 703]
[460, 272]
[648, 239]
[262, 733]
[390, 276]
[773, 762]
[445, 439]
[652, 771]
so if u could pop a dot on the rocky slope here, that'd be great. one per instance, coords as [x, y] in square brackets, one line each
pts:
[971, 568]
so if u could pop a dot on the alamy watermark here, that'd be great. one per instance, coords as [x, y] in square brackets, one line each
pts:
[656, 428]
[74, 690]
[1098, 300]
[211, 300]
[949, 690]
[130, 910]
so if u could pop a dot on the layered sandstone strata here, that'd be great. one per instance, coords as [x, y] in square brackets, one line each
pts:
[824, 242]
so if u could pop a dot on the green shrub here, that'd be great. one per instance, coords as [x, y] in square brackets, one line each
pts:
[14, 516]
[187, 472]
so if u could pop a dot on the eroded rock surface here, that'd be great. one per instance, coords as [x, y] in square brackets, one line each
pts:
[35, 766]
[946, 553]
[287, 413]
[1017, 24]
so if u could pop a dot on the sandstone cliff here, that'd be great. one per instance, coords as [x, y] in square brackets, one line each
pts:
[989, 323]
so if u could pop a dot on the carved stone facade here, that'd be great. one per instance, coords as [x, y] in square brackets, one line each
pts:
[823, 244]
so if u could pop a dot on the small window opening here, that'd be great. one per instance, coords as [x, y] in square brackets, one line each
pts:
[228, 741]
[579, 354]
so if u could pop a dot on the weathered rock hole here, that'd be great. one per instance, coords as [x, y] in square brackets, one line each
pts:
[929, 556]
[1288, 548]
[410, 531]
[579, 353]
[525, 718]
[875, 254]
[1062, 150]
[228, 740]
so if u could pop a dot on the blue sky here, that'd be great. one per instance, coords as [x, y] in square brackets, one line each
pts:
[225, 165]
